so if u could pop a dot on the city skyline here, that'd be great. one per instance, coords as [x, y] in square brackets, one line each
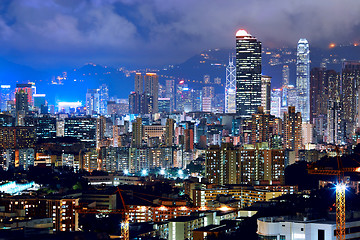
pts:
[237, 139]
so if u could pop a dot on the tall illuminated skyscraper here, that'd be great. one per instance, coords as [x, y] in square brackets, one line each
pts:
[285, 84]
[28, 88]
[350, 79]
[303, 79]
[276, 102]
[170, 93]
[230, 88]
[151, 87]
[103, 98]
[5, 95]
[248, 74]
[92, 102]
[266, 93]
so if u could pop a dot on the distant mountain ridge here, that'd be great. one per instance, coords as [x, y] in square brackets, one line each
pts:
[209, 62]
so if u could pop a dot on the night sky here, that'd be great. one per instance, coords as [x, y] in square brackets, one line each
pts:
[62, 33]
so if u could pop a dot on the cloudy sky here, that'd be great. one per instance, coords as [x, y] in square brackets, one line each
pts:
[51, 33]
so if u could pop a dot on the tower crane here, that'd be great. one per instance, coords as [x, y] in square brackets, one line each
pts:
[340, 191]
[125, 234]
[125, 219]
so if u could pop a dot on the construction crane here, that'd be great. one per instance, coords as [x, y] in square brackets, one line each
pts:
[340, 191]
[125, 234]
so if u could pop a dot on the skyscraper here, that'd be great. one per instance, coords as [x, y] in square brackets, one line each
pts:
[5, 95]
[265, 93]
[92, 102]
[170, 93]
[230, 88]
[276, 102]
[151, 87]
[248, 74]
[28, 88]
[147, 92]
[350, 78]
[293, 130]
[334, 134]
[103, 98]
[137, 133]
[139, 83]
[21, 106]
[318, 93]
[303, 78]
[208, 94]
[285, 84]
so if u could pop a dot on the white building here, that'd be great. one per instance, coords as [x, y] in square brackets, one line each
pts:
[181, 228]
[307, 133]
[230, 89]
[285, 228]
[303, 79]
[275, 107]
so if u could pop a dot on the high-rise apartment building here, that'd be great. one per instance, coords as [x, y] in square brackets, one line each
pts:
[334, 134]
[250, 165]
[92, 102]
[318, 93]
[103, 99]
[170, 93]
[151, 87]
[5, 95]
[170, 132]
[208, 94]
[196, 96]
[292, 96]
[350, 77]
[230, 88]
[145, 98]
[137, 133]
[17, 137]
[261, 129]
[275, 107]
[21, 101]
[21, 106]
[248, 74]
[139, 83]
[265, 93]
[334, 85]
[292, 127]
[303, 79]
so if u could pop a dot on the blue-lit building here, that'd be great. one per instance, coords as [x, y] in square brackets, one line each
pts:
[5, 95]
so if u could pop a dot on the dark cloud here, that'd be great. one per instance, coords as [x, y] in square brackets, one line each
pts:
[65, 32]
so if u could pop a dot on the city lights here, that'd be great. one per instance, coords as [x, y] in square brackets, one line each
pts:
[168, 120]
[144, 172]
[340, 187]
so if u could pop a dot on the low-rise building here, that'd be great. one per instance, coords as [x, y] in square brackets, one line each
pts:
[284, 228]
